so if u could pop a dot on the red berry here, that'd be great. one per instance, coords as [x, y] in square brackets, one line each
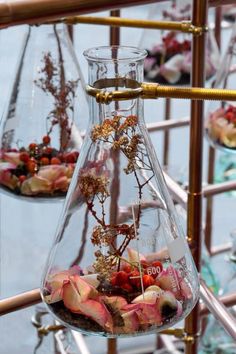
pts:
[147, 281]
[229, 116]
[44, 161]
[127, 268]
[113, 279]
[31, 166]
[122, 277]
[32, 146]
[69, 158]
[48, 150]
[22, 178]
[134, 278]
[144, 264]
[46, 139]
[127, 287]
[24, 157]
[55, 161]
[76, 155]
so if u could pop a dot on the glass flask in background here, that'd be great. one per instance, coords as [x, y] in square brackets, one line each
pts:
[220, 122]
[169, 59]
[215, 339]
[40, 133]
[120, 264]
[225, 169]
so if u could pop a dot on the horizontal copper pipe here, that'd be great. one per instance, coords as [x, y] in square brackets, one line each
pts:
[181, 196]
[217, 308]
[167, 124]
[15, 12]
[215, 250]
[218, 188]
[20, 301]
[227, 300]
[178, 194]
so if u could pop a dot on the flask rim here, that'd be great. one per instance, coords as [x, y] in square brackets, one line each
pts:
[115, 53]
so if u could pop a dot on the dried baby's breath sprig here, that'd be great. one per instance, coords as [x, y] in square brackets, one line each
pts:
[53, 82]
[121, 133]
[91, 185]
[104, 264]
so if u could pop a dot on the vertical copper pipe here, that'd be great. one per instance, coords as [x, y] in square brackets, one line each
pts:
[70, 31]
[166, 133]
[209, 204]
[218, 17]
[114, 40]
[194, 213]
[115, 31]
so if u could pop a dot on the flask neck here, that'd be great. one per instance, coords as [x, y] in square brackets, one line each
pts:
[115, 68]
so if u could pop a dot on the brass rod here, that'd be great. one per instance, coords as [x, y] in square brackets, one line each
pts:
[195, 93]
[182, 26]
[194, 210]
[20, 301]
[153, 91]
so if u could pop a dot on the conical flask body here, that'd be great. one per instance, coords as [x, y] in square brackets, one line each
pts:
[40, 131]
[120, 264]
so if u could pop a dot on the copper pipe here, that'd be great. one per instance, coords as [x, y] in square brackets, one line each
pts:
[215, 3]
[219, 311]
[218, 17]
[115, 31]
[228, 301]
[15, 12]
[219, 188]
[220, 249]
[178, 194]
[20, 301]
[114, 40]
[167, 124]
[70, 31]
[209, 204]
[194, 211]
[167, 133]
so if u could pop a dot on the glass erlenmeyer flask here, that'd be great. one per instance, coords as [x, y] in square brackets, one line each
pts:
[40, 139]
[120, 264]
[169, 59]
[221, 116]
[215, 339]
